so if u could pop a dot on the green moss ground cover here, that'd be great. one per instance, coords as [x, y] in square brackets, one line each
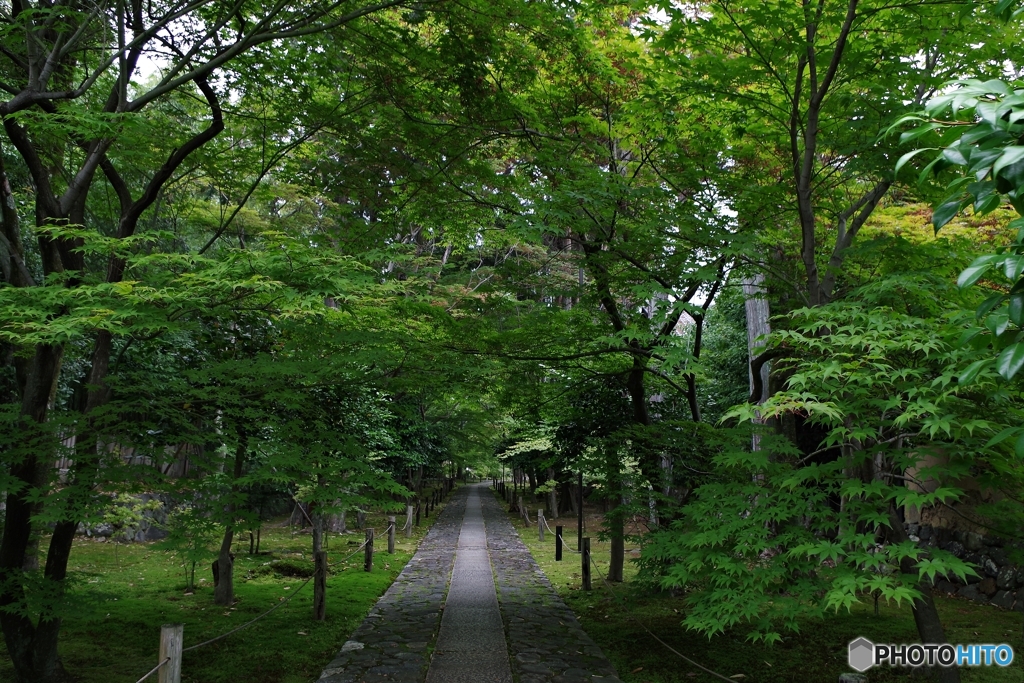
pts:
[816, 655]
[112, 633]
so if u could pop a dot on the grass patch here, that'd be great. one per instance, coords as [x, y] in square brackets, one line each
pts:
[817, 654]
[113, 631]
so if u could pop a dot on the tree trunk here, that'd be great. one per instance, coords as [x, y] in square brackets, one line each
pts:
[614, 519]
[33, 651]
[758, 326]
[319, 569]
[552, 495]
[926, 617]
[572, 496]
[224, 591]
[338, 523]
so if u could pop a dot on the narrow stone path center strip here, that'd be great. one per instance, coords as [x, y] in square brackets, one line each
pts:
[471, 644]
[501, 622]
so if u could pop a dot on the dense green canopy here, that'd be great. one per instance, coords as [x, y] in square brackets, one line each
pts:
[325, 251]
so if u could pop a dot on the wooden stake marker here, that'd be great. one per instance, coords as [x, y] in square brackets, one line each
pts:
[171, 638]
[368, 557]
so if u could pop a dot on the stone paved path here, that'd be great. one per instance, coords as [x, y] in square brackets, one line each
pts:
[503, 621]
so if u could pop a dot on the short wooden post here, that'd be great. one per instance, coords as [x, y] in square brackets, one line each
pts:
[320, 586]
[585, 554]
[368, 557]
[171, 638]
[540, 524]
[558, 544]
[391, 535]
[417, 513]
[408, 520]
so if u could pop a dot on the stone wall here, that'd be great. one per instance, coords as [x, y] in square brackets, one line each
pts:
[1000, 580]
[152, 526]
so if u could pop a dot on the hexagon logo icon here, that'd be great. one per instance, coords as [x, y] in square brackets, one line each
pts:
[862, 654]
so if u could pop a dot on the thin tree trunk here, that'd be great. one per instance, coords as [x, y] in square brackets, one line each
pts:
[614, 519]
[926, 616]
[319, 569]
[552, 495]
[224, 591]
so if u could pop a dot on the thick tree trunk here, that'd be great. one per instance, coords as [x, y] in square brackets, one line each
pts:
[224, 590]
[338, 523]
[32, 649]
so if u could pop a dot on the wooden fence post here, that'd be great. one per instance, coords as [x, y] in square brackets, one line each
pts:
[540, 524]
[171, 638]
[417, 513]
[320, 586]
[391, 535]
[558, 544]
[368, 557]
[408, 521]
[585, 554]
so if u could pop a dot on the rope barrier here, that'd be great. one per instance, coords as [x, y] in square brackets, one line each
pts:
[545, 520]
[564, 545]
[279, 604]
[249, 623]
[346, 559]
[703, 668]
[153, 670]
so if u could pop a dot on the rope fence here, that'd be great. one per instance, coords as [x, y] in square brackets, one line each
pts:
[571, 550]
[279, 604]
[154, 670]
[171, 635]
[283, 601]
[608, 586]
[545, 520]
[356, 552]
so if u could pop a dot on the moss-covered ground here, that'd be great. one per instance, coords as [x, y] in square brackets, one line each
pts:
[112, 631]
[817, 654]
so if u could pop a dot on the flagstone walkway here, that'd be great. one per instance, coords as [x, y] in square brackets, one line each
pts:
[502, 621]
